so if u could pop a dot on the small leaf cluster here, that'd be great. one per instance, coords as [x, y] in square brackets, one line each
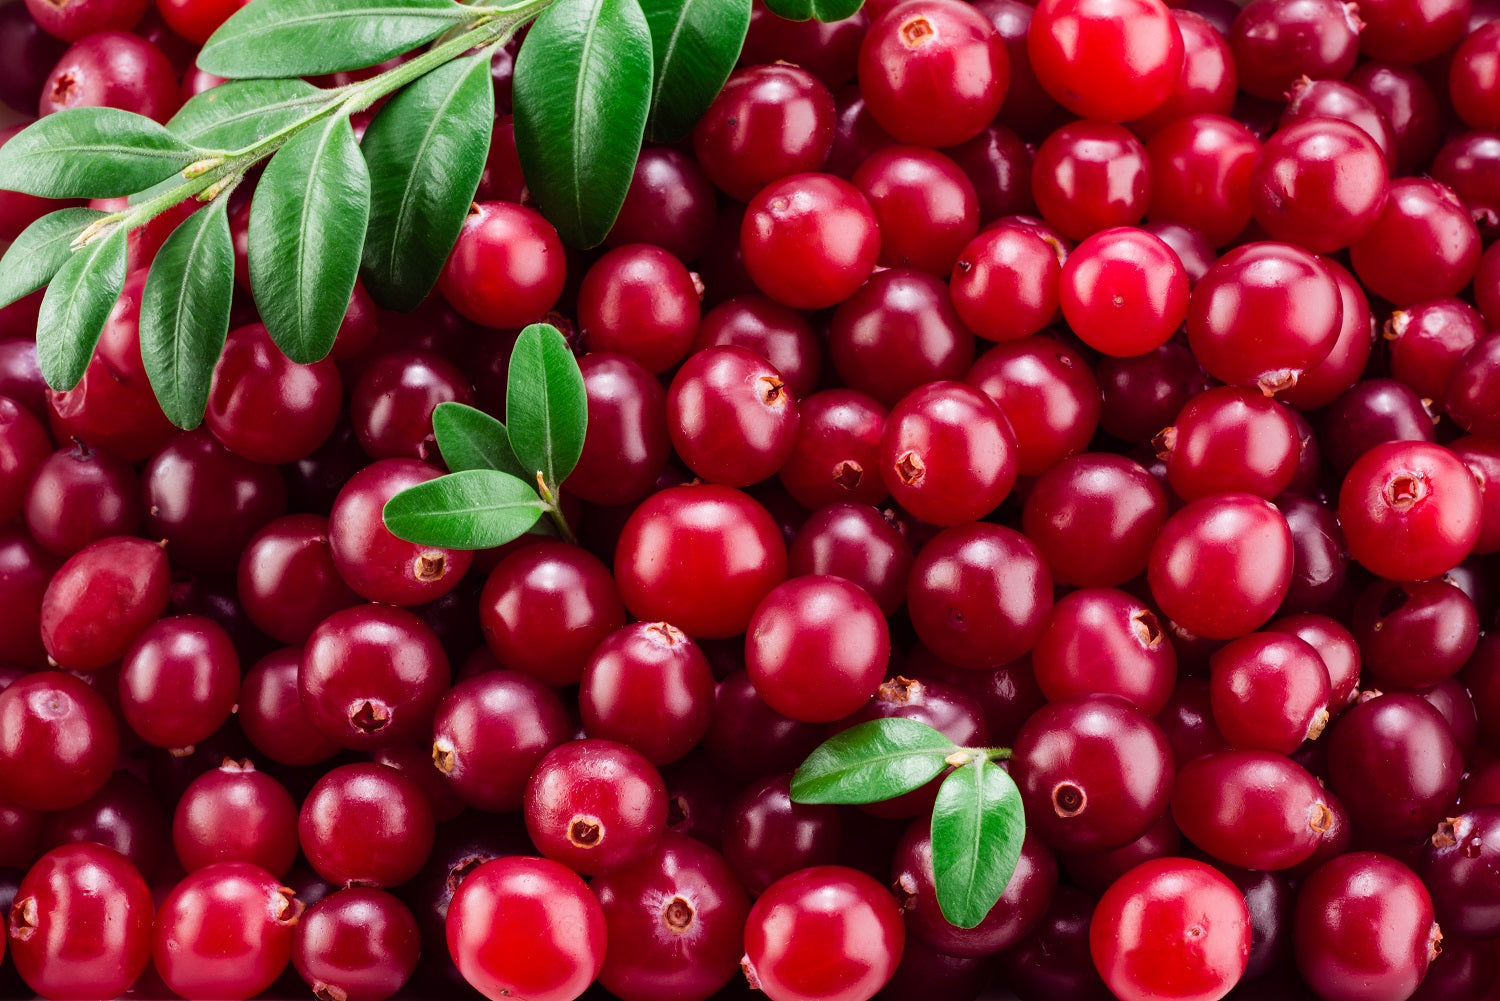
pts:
[593, 80]
[978, 823]
[503, 477]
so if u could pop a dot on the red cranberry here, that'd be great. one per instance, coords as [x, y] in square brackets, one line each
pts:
[59, 742]
[266, 408]
[1143, 394]
[926, 207]
[196, 20]
[366, 825]
[998, 162]
[357, 945]
[126, 815]
[1411, 31]
[491, 731]
[1410, 510]
[1346, 102]
[180, 681]
[896, 334]
[730, 416]
[828, 933]
[1201, 167]
[526, 927]
[1472, 391]
[225, 931]
[20, 373]
[1474, 77]
[1005, 283]
[507, 268]
[1320, 558]
[287, 581]
[1047, 394]
[1094, 516]
[947, 454]
[827, 49]
[1100, 641]
[837, 450]
[27, 54]
[1054, 961]
[640, 301]
[747, 739]
[1230, 440]
[113, 69]
[101, 600]
[1482, 456]
[627, 445]
[767, 122]
[392, 404]
[1123, 291]
[1429, 230]
[1458, 869]
[1112, 60]
[1098, 871]
[670, 204]
[1277, 41]
[1416, 634]
[650, 687]
[1320, 184]
[236, 814]
[79, 496]
[1253, 809]
[272, 716]
[1407, 102]
[781, 336]
[1269, 691]
[80, 924]
[1090, 176]
[859, 544]
[767, 835]
[809, 240]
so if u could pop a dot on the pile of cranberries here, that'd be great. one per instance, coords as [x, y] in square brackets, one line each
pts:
[1109, 382]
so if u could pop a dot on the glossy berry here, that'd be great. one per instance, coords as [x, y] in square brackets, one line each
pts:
[1414, 635]
[828, 933]
[835, 457]
[649, 686]
[1253, 809]
[366, 825]
[670, 205]
[357, 944]
[1100, 641]
[526, 927]
[595, 805]
[101, 600]
[1094, 516]
[730, 416]
[675, 923]
[1048, 395]
[80, 924]
[265, 407]
[1364, 929]
[1277, 41]
[626, 445]
[58, 741]
[1474, 79]
[80, 495]
[1230, 440]
[948, 454]
[507, 268]
[1319, 184]
[933, 72]
[236, 814]
[1269, 691]
[287, 582]
[768, 835]
[926, 206]
[1201, 167]
[272, 716]
[1432, 230]
[860, 544]
[225, 931]
[1090, 176]
[780, 335]
[1111, 60]
[1410, 510]
[1458, 868]
[24, 446]
[1123, 291]
[392, 403]
[180, 681]
[897, 333]
[1174, 927]
[1005, 282]
[766, 122]
[641, 302]
[113, 69]
[809, 240]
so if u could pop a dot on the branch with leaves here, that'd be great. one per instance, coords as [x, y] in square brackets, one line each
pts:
[593, 80]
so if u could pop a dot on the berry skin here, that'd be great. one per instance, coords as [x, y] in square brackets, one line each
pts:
[1171, 928]
[365, 825]
[101, 600]
[649, 686]
[1123, 292]
[1410, 510]
[507, 268]
[809, 240]
[828, 933]
[58, 741]
[356, 944]
[947, 454]
[528, 928]
[730, 416]
[595, 805]
[1109, 60]
[489, 733]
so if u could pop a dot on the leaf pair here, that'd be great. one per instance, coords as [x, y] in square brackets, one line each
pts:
[494, 493]
[977, 822]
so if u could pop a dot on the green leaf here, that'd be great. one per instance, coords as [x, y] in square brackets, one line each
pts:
[185, 312]
[546, 408]
[77, 303]
[307, 230]
[426, 151]
[695, 44]
[41, 250]
[240, 113]
[977, 829]
[582, 92]
[282, 38]
[872, 761]
[474, 509]
[823, 10]
[92, 153]
[472, 439]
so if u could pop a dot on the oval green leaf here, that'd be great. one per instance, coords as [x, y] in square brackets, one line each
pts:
[185, 312]
[474, 509]
[872, 761]
[240, 113]
[307, 230]
[92, 153]
[823, 10]
[546, 408]
[582, 93]
[77, 303]
[695, 44]
[977, 828]
[41, 250]
[472, 439]
[426, 151]
[282, 38]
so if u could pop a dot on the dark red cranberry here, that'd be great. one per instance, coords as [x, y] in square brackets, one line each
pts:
[126, 816]
[287, 581]
[1458, 869]
[272, 716]
[748, 739]
[1343, 101]
[101, 600]
[490, 732]
[374, 563]
[265, 407]
[1047, 394]
[767, 122]
[366, 825]
[1335, 645]
[80, 923]
[1094, 773]
[948, 454]
[391, 405]
[1094, 516]
[1373, 412]
[858, 543]
[1472, 391]
[670, 204]
[1482, 456]
[225, 931]
[1463, 971]
[730, 416]
[780, 335]
[27, 53]
[1408, 103]
[1427, 339]
[856, 135]
[1416, 634]
[767, 835]
[1320, 558]
[1144, 394]
[371, 676]
[1027, 105]
[829, 50]
[81, 495]
[1201, 168]
[1364, 918]
[1474, 76]
[926, 206]
[1253, 809]
[113, 69]
[640, 301]
[236, 814]
[1411, 31]
[1277, 41]
[357, 944]
[595, 805]
[1097, 871]
[502, 180]
[1113, 60]
[1269, 691]
[650, 687]
[1230, 440]
[1432, 232]
[998, 162]
[180, 681]
[627, 445]
[1320, 184]
[1090, 176]
[898, 333]
[20, 373]
[1410, 510]
[507, 268]
[1100, 641]
[1054, 960]
[809, 240]
[836, 455]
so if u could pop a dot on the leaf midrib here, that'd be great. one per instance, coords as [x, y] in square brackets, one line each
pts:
[576, 159]
[179, 359]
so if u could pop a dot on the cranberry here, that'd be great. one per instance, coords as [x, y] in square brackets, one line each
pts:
[490, 732]
[1346, 102]
[24, 446]
[376, 565]
[100, 601]
[828, 933]
[727, 555]
[1005, 283]
[640, 301]
[365, 825]
[1230, 440]
[998, 162]
[780, 335]
[675, 921]
[1221, 565]
[827, 49]
[371, 676]
[1112, 60]
[1097, 871]
[670, 204]
[627, 445]
[507, 268]
[1416, 634]
[1250, 808]
[926, 207]
[767, 122]
[272, 716]
[80, 925]
[1269, 691]
[1047, 394]
[948, 454]
[1474, 78]
[1014, 915]
[1054, 961]
[1207, 81]
[1123, 291]
[196, 20]
[1094, 516]
[1427, 340]
[1090, 176]
[266, 408]
[20, 373]
[526, 927]
[859, 544]
[1320, 559]
[897, 333]
[225, 931]
[1104, 642]
[730, 416]
[1143, 394]
[392, 404]
[767, 835]
[1410, 510]
[236, 814]
[1458, 869]
[1471, 395]
[20, 840]
[1320, 184]
[1171, 925]
[1277, 41]
[1263, 315]
[1411, 31]
[1094, 773]
[287, 581]
[1408, 103]
[81, 495]
[1366, 919]
[126, 816]
[113, 69]
[60, 741]
[1482, 456]
[809, 240]
[357, 945]
[650, 687]
[856, 136]
[1431, 230]
[27, 54]
[837, 450]
[180, 681]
